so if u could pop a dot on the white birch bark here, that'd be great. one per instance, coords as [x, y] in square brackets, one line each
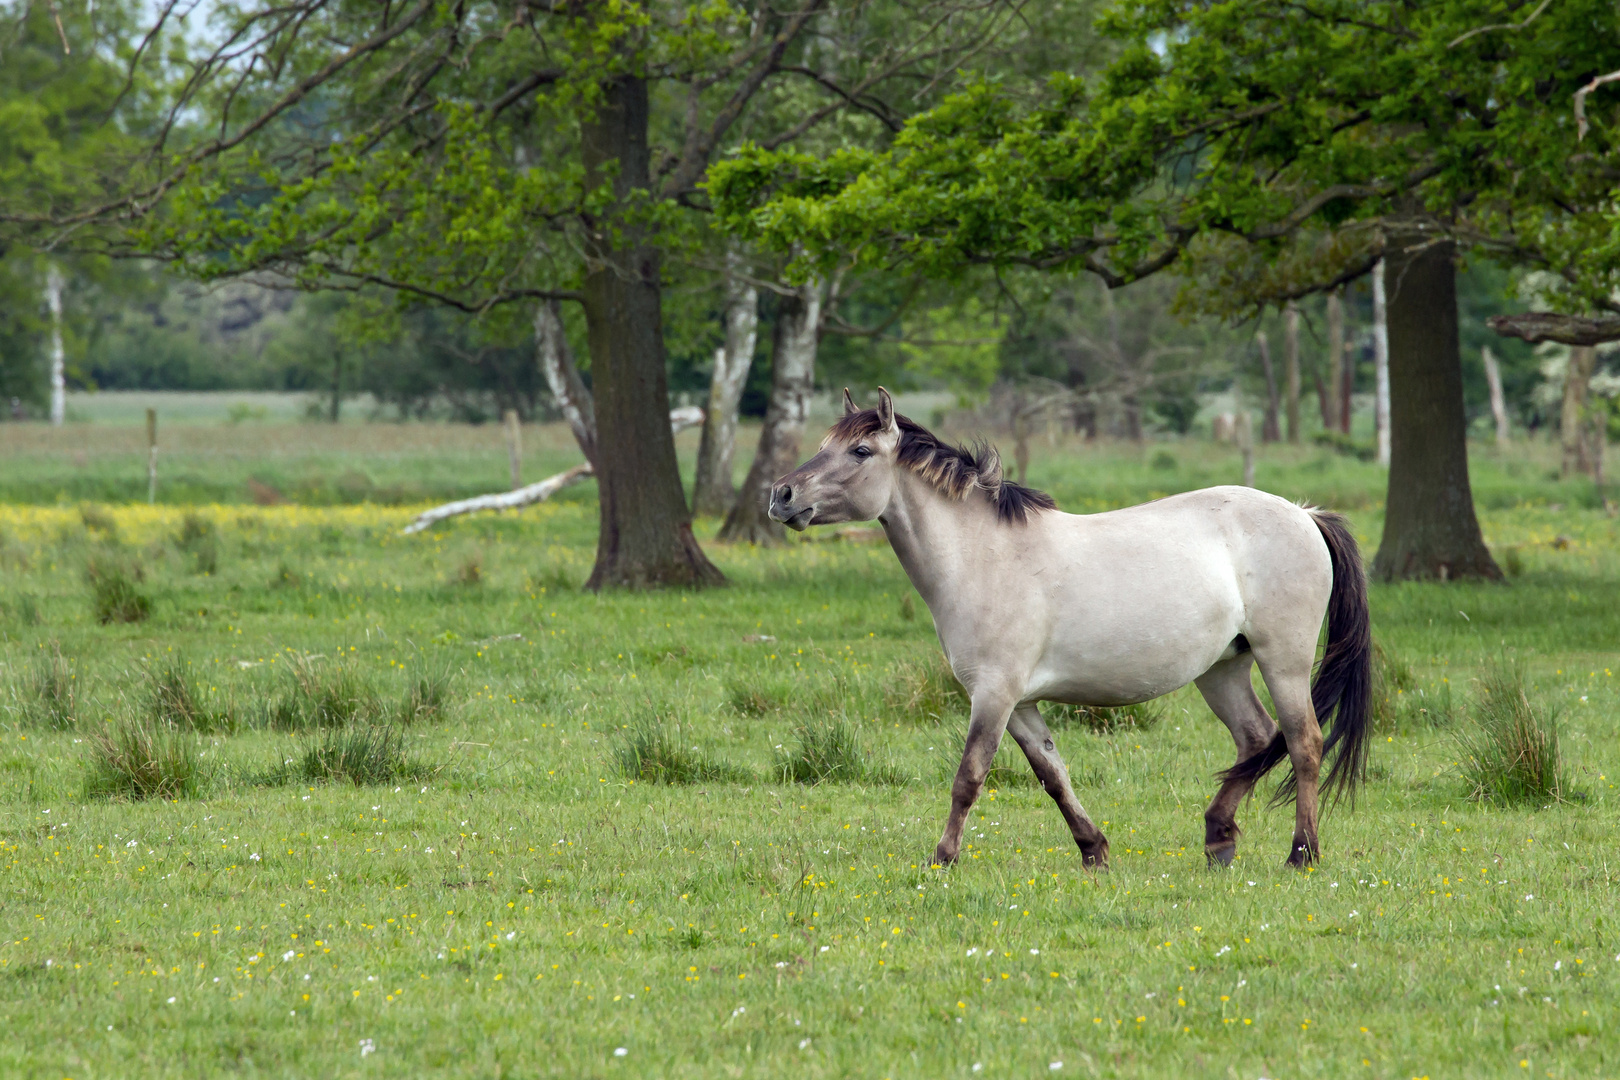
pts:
[53, 299]
[793, 360]
[1380, 364]
[1493, 379]
[687, 416]
[562, 377]
[712, 491]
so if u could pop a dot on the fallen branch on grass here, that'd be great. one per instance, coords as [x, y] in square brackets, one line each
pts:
[679, 420]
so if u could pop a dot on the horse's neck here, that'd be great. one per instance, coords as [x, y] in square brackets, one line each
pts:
[934, 537]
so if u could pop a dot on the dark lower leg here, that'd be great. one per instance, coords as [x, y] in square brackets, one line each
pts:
[964, 792]
[984, 737]
[1220, 823]
[1307, 762]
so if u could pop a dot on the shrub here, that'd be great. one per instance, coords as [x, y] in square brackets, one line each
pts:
[316, 695]
[175, 697]
[138, 759]
[1510, 754]
[829, 751]
[199, 539]
[49, 695]
[115, 595]
[361, 756]
[651, 751]
[1103, 719]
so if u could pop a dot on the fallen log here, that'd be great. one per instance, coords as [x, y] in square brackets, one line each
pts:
[687, 416]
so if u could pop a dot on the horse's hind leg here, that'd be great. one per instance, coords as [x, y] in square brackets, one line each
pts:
[1035, 740]
[1289, 680]
[1230, 695]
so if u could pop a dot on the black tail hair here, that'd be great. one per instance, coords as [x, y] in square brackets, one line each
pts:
[1343, 685]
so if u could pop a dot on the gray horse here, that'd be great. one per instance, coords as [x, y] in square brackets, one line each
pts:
[1108, 609]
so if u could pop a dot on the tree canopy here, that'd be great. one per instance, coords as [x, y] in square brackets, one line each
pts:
[1252, 121]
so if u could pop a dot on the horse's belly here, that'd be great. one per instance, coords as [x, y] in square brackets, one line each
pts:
[1120, 676]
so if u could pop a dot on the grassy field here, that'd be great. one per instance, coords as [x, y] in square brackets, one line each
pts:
[511, 889]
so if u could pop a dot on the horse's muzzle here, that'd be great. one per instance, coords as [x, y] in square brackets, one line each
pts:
[783, 510]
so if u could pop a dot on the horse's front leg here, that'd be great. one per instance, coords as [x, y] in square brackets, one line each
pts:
[988, 723]
[1035, 739]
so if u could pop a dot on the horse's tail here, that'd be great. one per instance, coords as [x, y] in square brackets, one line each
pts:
[1343, 685]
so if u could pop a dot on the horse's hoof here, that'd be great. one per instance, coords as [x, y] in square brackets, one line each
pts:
[942, 859]
[1095, 859]
[1220, 855]
[1302, 856]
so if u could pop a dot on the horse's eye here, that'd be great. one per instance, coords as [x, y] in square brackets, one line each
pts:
[862, 452]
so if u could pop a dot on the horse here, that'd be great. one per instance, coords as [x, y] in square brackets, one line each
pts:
[1031, 604]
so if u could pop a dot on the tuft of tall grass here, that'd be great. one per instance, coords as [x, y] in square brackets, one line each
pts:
[427, 696]
[49, 693]
[1511, 754]
[828, 751]
[316, 695]
[925, 690]
[365, 756]
[98, 519]
[471, 572]
[756, 695]
[115, 594]
[200, 540]
[138, 759]
[1392, 682]
[175, 696]
[652, 751]
[1103, 719]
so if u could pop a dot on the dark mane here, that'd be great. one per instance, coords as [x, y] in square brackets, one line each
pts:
[952, 470]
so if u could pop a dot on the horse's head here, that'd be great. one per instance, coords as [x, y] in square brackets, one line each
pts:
[851, 477]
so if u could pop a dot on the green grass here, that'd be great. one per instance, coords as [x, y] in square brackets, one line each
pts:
[483, 889]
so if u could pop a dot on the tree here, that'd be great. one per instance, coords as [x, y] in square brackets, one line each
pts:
[712, 490]
[1273, 124]
[511, 151]
[793, 360]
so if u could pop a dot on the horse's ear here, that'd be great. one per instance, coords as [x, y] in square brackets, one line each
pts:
[885, 409]
[849, 403]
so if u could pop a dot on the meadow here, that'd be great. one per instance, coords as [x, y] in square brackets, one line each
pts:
[426, 808]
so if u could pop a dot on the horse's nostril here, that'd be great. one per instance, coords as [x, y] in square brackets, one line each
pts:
[784, 494]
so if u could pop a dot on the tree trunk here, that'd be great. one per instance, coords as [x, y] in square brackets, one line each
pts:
[1291, 370]
[646, 534]
[53, 299]
[1430, 530]
[1380, 365]
[568, 390]
[1268, 425]
[1577, 376]
[1335, 360]
[793, 369]
[1347, 387]
[712, 491]
[1493, 379]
